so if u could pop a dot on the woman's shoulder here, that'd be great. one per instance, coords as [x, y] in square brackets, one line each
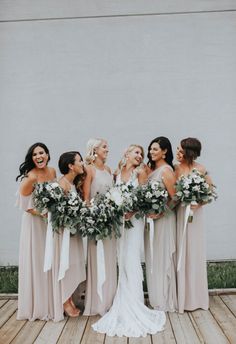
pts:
[52, 171]
[143, 169]
[107, 168]
[201, 168]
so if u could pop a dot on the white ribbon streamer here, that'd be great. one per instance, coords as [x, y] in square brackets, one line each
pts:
[186, 216]
[65, 254]
[150, 222]
[48, 255]
[101, 269]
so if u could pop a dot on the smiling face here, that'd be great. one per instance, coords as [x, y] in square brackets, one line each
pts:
[135, 156]
[102, 151]
[180, 154]
[156, 153]
[78, 166]
[39, 157]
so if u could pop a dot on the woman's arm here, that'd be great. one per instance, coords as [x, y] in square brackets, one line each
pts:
[27, 184]
[169, 180]
[142, 176]
[87, 183]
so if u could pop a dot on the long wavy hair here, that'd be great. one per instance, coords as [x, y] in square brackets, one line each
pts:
[164, 143]
[28, 164]
[63, 164]
[91, 150]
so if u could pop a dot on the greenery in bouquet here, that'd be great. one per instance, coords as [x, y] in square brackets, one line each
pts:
[46, 195]
[66, 213]
[99, 220]
[152, 199]
[125, 199]
[194, 189]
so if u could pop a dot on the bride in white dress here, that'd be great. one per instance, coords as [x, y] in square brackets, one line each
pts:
[128, 315]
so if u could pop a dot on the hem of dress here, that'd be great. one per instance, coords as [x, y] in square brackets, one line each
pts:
[191, 309]
[128, 335]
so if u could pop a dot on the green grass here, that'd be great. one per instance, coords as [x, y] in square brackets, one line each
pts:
[220, 275]
[8, 279]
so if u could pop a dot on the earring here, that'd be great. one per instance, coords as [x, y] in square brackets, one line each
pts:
[163, 156]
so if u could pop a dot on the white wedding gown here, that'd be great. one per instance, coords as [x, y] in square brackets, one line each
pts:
[128, 315]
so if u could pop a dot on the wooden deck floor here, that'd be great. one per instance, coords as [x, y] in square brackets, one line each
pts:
[216, 326]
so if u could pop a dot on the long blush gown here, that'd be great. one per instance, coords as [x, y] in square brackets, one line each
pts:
[35, 292]
[161, 271]
[93, 304]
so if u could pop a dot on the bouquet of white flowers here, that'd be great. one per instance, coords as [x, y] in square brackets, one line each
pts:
[193, 189]
[46, 195]
[152, 199]
[65, 214]
[125, 199]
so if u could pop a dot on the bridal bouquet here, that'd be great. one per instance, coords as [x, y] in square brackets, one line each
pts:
[65, 214]
[152, 199]
[193, 189]
[125, 199]
[46, 195]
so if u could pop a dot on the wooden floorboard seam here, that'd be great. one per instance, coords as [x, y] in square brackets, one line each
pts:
[196, 328]
[220, 326]
[171, 327]
[228, 307]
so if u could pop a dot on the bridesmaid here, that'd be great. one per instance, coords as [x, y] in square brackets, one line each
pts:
[35, 299]
[71, 166]
[98, 180]
[192, 274]
[160, 269]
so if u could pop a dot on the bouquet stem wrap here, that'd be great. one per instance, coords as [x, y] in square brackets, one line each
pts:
[101, 269]
[48, 255]
[65, 254]
[150, 223]
[186, 216]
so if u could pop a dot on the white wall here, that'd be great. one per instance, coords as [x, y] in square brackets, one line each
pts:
[124, 78]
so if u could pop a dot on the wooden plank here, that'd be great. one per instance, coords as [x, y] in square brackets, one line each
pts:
[183, 329]
[50, 332]
[8, 296]
[10, 329]
[140, 340]
[208, 327]
[224, 317]
[230, 301]
[29, 332]
[2, 302]
[196, 327]
[116, 340]
[166, 336]
[7, 310]
[73, 330]
[90, 336]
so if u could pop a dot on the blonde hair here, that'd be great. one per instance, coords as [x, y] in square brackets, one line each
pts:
[91, 150]
[122, 162]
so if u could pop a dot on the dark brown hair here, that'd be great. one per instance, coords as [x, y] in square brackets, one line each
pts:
[28, 164]
[164, 143]
[192, 149]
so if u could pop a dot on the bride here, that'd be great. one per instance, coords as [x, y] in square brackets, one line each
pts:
[128, 315]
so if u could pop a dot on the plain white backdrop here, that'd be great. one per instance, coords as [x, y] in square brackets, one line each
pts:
[168, 70]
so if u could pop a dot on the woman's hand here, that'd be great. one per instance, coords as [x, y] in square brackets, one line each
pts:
[128, 216]
[195, 206]
[155, 216]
